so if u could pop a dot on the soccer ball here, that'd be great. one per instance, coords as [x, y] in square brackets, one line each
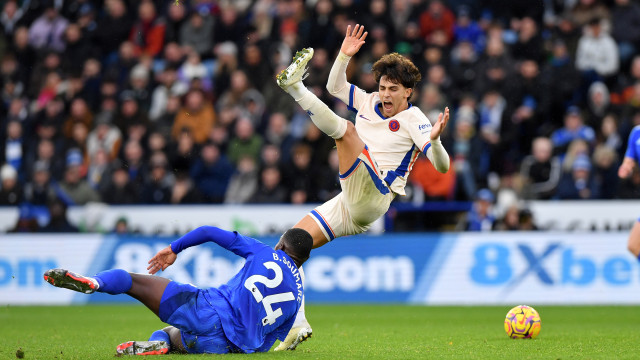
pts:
[522, 322]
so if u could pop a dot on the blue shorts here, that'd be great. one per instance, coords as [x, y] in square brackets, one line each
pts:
[184, 306]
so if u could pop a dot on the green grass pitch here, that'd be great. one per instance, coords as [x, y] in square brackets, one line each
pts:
[343, 332]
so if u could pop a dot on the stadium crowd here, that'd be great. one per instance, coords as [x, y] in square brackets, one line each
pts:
[153, 102]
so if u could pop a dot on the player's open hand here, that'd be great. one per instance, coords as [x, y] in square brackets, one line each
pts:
[439, 126]
[162, 260]
[353, 40]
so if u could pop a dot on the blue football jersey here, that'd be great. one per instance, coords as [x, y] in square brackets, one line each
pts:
[262, 300]
[260, 303]
[633, 146]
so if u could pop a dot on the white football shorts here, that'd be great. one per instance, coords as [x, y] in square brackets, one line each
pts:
[365, 197]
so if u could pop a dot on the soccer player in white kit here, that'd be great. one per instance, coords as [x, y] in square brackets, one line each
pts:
[375, 155]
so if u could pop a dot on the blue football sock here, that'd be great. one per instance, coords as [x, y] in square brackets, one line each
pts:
[160, 335]
[116, 281]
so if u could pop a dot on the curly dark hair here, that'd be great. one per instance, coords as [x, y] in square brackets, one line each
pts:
[398, 69]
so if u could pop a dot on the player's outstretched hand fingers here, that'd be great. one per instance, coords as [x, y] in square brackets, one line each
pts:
[348, 33]
[360, 31]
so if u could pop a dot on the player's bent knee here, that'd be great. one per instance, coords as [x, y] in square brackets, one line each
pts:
[349, 133]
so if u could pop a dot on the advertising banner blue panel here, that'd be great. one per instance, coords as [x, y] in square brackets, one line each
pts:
[466, 268]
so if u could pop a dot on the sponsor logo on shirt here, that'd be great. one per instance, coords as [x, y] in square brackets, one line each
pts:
[362, 116]
[394, 125]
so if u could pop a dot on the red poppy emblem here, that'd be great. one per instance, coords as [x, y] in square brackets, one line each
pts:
[394, 125]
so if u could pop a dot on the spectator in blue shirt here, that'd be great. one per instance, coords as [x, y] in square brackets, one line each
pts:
[574, 128]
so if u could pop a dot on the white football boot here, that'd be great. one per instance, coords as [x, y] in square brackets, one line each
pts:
[297, 71]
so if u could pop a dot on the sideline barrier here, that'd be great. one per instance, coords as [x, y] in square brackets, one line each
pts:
[464, 268]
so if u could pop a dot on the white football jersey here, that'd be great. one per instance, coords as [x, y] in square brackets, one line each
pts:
[394, 142]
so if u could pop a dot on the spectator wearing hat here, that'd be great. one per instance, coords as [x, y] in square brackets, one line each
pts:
[73, 189]
[579, 184]
[574, 128]
[47, 32]
[147, 33]
[196, 115]
[36, 191]
[481, 217]
[10, 190]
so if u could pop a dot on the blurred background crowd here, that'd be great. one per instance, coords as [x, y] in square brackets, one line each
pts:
[150, 102]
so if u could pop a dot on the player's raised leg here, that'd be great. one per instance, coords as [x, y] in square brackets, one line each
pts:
[290, 80]
[145, 288]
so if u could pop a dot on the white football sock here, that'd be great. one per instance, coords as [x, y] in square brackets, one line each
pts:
[321, 115]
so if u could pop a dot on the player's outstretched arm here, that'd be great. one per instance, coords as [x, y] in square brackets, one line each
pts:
[162, 260]
[337, 84]
[232, 241]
